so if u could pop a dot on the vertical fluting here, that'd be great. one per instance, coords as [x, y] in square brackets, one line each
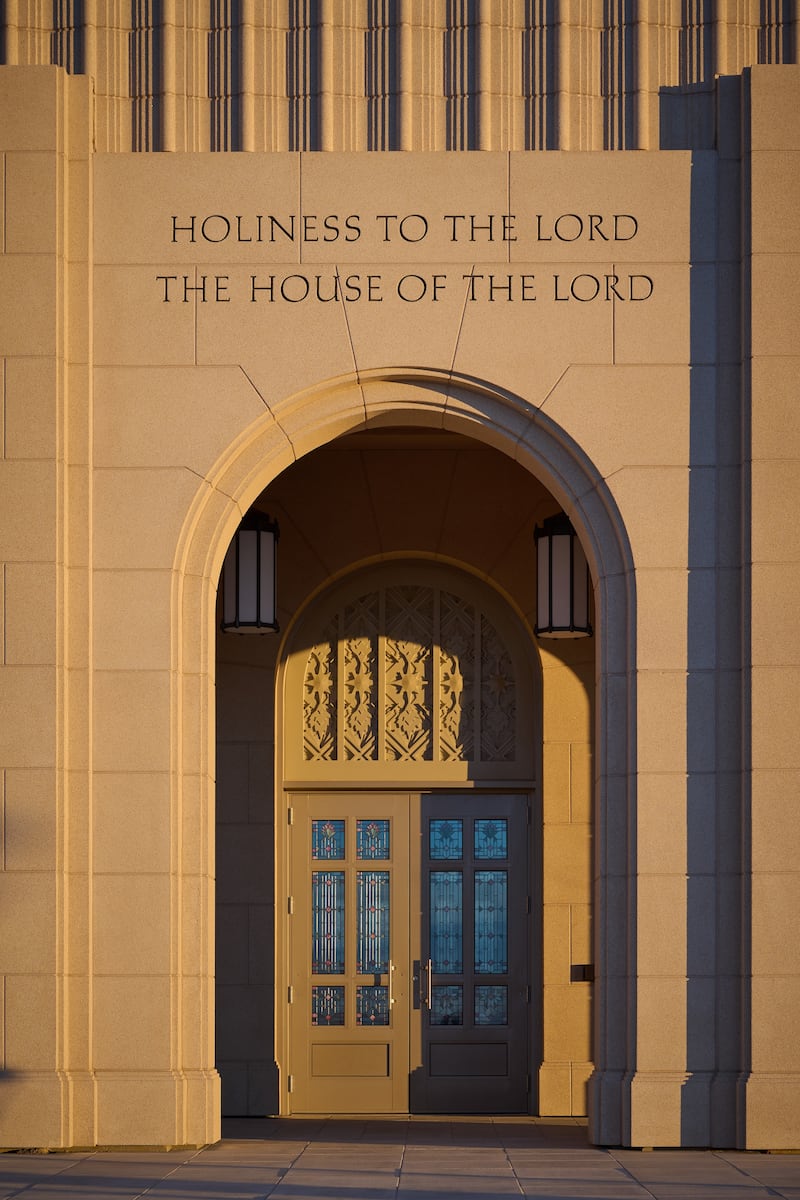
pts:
[146, 82]
[247, 53]
[224, 74]
[392, 74]
[67, 44]
[265, 35]
[539, 75]
[735, 36]
[618, 75]
[777, 31]
[461, 73]
[696, 50]
[302, 74]
[381, 82]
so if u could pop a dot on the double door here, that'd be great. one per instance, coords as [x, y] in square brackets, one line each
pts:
[409, 953]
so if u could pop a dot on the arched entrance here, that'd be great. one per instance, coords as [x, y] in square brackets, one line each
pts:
[524, 435]
[410, 738]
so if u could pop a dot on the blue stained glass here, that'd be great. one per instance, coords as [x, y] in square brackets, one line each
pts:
[491, 922]
[491, 838]
[327, 839]
[372, 1004]
[447, 1007]
[491, 1004]
[372, 939]
[446, 838]
[372, 839]
[327, 1005]
[327, 922]
[446, 933]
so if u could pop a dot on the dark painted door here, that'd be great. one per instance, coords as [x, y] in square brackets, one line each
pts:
[471, 983]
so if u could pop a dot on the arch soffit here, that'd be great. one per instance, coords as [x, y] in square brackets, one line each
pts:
[310, 419]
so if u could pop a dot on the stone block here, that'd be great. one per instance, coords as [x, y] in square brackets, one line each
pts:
[132, 721]
[131, 822]
[30, 99]
[30, 1023]
[30, 624]
[775, 695]
[567, 864]
[28, 729]
[27, 922]
[132, 933]
[139, 515]
[197, 413]
[28, 308]
[662, 733]
[29, 821]
[774, 92]
[132, 1023]
[661, 925]
[32, 219]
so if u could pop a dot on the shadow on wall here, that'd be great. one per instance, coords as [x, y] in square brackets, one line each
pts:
[706, 119]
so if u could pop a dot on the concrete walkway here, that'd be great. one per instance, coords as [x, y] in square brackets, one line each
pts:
[408, 1158]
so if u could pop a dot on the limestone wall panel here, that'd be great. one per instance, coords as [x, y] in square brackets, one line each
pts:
[27, 921]
[131, 721]
[254, 335]
[132, 1024]
[29, 816]
[32, 184]
[30, 1039]
[661, 644]
[645, 413]
[136, 197]
[131, 823]
[130, 619]
[30, 388]
[29, 102]
[525, 346]
[30, 625]
[661, 945]
[129, 328]
[134, 528]
[28, 730]
[775, 300]
[661, 845]
[656, 544]
[131, 923]
[170, 416]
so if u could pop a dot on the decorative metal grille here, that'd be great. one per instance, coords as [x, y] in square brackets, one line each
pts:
[409, 674]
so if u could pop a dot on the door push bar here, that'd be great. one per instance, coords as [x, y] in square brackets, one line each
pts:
[423, 984]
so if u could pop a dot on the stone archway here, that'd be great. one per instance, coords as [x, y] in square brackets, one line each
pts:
[527, 435]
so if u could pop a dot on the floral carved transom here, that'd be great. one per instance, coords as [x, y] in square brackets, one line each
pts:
[409, 674]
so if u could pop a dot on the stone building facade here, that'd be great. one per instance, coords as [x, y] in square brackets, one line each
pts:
[394, 275]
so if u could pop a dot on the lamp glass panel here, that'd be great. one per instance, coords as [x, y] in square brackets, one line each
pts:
[580, 604]
[267, 577]
[560, 616]
[229, 585]
[543, 581]
[248, 551]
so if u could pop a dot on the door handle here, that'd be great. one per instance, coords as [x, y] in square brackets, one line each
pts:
[390, 973]
[428, 994]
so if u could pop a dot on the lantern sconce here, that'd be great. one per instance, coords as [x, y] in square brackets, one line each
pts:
[249, 577]
[562, 609]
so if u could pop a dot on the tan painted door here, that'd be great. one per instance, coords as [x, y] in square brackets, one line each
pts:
[409, 963]
[349, 953]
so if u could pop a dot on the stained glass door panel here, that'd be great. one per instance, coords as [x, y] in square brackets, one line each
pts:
[348, 950]
[471, 992]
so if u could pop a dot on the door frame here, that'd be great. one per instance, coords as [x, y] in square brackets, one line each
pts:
[422, 777]
[283, 916]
